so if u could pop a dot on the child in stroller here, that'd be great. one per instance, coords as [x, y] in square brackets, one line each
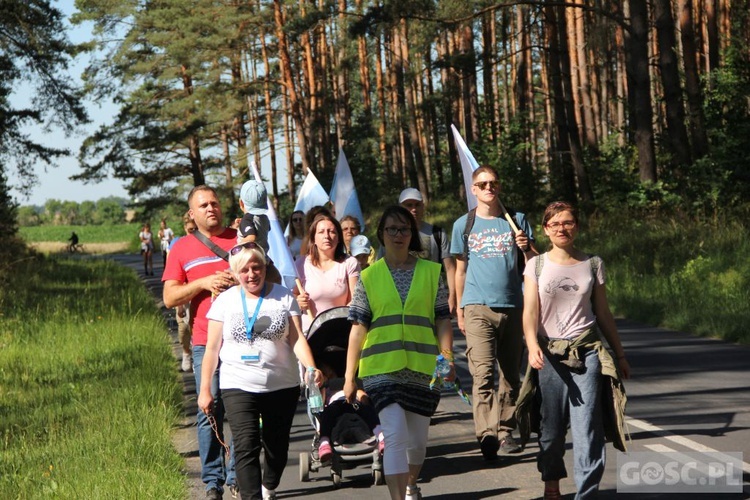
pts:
[336, 406]
[346, 435]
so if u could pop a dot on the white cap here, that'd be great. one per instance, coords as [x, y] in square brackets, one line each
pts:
[410, 194]
[359, 245]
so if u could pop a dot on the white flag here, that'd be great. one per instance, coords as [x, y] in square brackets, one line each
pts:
[311, 194]
[278, 250]
[343, 192]
[468, 165]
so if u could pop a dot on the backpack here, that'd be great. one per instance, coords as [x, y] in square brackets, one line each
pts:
[470, 218]
[437, 234]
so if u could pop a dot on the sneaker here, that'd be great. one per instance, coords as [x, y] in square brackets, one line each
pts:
[213, 494]
[234, 491]
[268, 494]
[413, 493]
[489, 446]
[381, 446]
[325, 451]
[509, 445]
[187, 363]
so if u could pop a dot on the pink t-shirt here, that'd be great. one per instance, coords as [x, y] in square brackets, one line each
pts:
[190, 260]
[327, 289]
[565, 309]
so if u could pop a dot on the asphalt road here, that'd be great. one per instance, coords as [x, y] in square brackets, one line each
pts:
[687, 394]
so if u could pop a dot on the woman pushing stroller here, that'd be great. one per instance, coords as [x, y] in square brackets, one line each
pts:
[398, 304]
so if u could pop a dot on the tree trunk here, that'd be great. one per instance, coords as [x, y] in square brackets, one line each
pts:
[287, 79]
[576, 152]
[670, 77]
[583, 78]
[638, 78]
[562, 174]
[696, 119]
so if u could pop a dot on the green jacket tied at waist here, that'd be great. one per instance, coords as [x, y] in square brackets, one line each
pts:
[401, 335]
[613, 391]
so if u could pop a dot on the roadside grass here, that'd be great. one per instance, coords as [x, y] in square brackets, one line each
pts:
[111, 233]
[682, 275]
[88, 392]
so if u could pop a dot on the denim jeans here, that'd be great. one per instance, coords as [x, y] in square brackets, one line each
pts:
[244, 411]
[214, 471]
[575, 399]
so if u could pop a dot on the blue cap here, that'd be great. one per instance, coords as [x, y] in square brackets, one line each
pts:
[255, 197]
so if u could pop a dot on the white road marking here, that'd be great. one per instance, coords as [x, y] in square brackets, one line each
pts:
[681, 440]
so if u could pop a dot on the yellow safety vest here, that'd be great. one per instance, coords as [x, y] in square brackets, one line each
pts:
[400, 336]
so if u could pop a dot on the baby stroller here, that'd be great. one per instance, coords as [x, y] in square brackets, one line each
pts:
[352, 441]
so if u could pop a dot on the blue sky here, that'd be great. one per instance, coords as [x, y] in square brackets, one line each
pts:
[54, 182]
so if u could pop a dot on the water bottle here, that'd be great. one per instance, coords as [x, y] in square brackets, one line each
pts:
[443, 368]
[314, 398]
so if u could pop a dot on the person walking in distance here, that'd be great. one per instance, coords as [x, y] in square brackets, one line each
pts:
[196, 272]
[489, 297]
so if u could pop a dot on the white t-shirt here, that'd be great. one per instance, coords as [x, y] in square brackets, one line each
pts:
[565, 309]
[276, 367]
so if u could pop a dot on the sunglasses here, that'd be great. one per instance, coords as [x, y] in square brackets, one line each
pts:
[238, 248]
[483, 184]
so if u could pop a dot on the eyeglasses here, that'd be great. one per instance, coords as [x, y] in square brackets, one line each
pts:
[566, 224]
[393, 231]
[238, 248]
[484, 184]
[297, 219]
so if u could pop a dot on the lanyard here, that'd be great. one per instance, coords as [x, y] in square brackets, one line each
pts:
[250, 322]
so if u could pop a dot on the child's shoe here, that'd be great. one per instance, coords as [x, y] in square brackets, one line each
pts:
[325, 452]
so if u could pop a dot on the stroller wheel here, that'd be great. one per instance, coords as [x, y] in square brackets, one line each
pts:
[378, 477]
[336, 477]
[304, 467]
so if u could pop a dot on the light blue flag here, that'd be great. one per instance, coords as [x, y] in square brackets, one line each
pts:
[343, 192]
[278, 250]
[311, 194]
[468, 165]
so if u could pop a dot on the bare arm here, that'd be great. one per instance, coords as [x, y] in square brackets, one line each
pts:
[357, 337]
[606, 323]
[450, 274]
[210, 362]
[460, 282]
[301, 348]
[176, 293]
[445, 339]
[531, 321]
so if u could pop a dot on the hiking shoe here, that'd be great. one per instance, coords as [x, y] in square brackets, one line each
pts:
[187, 363]
[213, 494]
[413, 493]
[509, 445]
[325, 452]
[489, 446]
[234, 491]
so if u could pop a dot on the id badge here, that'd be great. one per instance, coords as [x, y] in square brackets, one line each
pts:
[252, 357]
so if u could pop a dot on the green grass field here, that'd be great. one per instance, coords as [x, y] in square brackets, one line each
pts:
[86, 234]
[88, 390]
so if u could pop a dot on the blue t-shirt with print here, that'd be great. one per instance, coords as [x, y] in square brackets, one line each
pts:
[492, 277]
